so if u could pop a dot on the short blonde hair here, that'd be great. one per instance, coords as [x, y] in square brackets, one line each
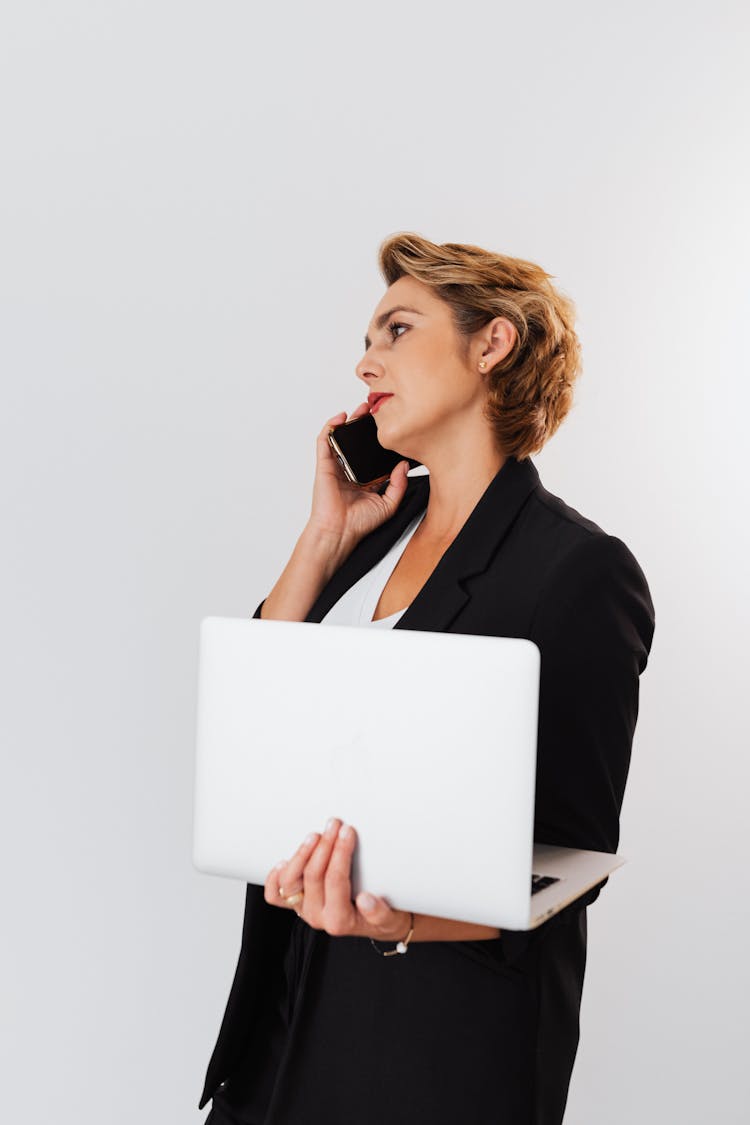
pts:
[531, 389]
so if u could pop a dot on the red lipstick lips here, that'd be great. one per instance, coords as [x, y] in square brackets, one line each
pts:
[376, 398]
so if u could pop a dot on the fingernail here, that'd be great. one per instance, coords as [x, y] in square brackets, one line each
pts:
[344, 831]
[310, 838]
[331, 822]
[367, 902]
[280, 864]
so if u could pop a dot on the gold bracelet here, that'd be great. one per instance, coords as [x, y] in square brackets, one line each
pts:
[401, 946]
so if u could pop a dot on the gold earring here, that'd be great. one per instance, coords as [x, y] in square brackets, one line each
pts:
[483, 365]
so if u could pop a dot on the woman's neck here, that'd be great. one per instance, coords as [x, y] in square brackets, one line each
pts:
[457, 483]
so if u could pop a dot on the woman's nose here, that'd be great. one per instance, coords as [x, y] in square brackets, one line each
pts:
[366, 371]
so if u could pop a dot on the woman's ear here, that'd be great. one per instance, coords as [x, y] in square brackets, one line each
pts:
[502, 339]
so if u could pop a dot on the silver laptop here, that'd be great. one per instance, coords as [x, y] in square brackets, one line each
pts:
[425, 742]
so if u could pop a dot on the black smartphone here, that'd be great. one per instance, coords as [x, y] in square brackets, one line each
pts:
[364, 460]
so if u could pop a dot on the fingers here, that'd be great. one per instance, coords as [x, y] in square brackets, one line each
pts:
[380, 920]
[394, 493]
[285, 879]
[336, 420]
[324, 448]
[324, 451]
[340, 916]
[320, 869]
[314, 872]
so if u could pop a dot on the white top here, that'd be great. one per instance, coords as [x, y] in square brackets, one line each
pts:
[357, 605]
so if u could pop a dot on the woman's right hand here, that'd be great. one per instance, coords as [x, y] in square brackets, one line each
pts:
[345, 511]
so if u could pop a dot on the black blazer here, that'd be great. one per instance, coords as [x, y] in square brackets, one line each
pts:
[524, 564]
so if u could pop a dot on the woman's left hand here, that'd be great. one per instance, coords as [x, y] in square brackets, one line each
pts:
[321, 870]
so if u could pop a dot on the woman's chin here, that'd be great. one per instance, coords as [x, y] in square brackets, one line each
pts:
[389, 437]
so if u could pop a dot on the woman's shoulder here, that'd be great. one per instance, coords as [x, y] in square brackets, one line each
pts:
[557, 512]
[588, 574]
[573, 558]
[570, 537]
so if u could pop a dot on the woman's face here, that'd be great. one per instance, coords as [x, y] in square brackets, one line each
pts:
[413, 355]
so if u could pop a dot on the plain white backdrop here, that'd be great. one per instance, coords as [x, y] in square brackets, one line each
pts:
[193, 196]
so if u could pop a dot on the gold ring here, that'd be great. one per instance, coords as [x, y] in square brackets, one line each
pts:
[294, 899]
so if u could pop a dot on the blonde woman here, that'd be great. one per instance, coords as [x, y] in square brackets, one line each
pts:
[469, 365]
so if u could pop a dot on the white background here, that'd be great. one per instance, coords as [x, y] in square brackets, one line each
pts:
[192, 199]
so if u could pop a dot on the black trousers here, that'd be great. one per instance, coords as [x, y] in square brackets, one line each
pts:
[446, 1035]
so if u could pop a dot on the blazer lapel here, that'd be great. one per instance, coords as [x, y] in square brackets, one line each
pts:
[443, 594]
[373, 547]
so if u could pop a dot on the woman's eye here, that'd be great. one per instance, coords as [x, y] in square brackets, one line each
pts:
[395, 324]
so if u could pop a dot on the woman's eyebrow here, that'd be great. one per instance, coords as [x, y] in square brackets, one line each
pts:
[386, 316]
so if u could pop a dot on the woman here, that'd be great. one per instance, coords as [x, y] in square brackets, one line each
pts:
[478, 355]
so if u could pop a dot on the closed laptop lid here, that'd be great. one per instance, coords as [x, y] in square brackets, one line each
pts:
[425, 742]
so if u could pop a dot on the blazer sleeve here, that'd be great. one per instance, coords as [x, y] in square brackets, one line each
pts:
[594, 625]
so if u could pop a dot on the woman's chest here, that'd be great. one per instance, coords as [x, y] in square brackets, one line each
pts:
[409, 575]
